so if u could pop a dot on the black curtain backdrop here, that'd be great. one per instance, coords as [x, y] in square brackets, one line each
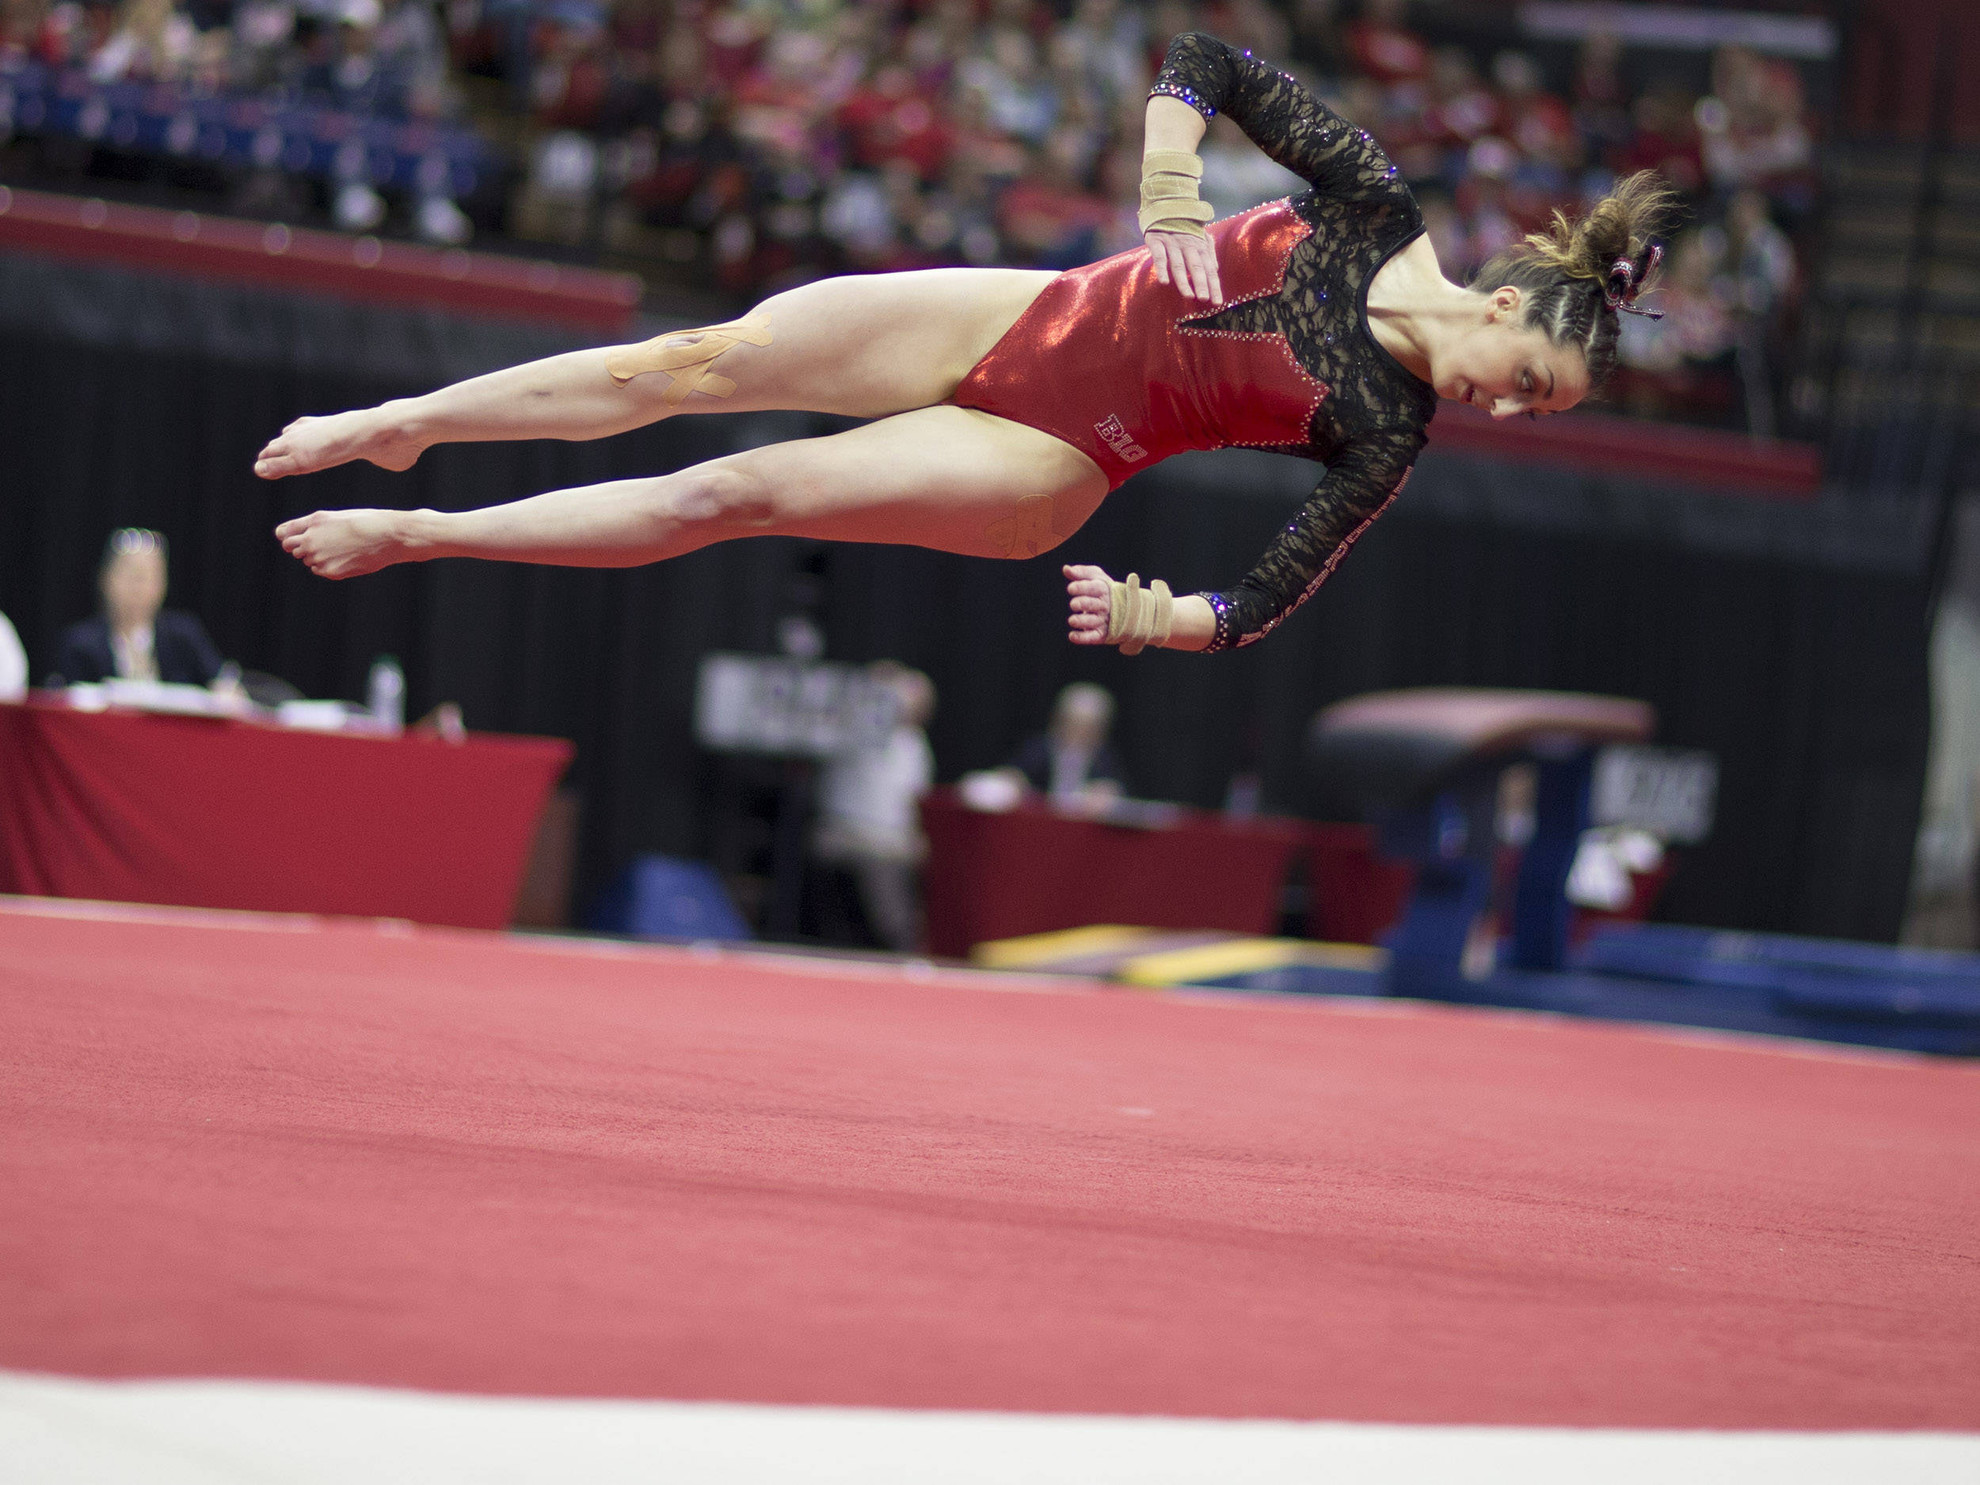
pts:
[1790, 641]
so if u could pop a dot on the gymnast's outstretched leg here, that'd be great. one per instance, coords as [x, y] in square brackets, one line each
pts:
[951, 478]
[863, 346]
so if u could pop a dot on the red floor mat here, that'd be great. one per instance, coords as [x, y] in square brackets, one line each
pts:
[459, 1162]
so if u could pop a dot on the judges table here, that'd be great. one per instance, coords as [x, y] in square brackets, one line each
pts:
[211, 812]
[1034, 870]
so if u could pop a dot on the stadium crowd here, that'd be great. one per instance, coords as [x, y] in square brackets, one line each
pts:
[751, 144]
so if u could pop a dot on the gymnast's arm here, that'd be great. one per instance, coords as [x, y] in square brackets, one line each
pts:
[1361, 481]
[1185, 259]
[1278, 115]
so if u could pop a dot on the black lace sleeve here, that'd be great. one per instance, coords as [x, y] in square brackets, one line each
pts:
[1279, 116]
[1361, 480]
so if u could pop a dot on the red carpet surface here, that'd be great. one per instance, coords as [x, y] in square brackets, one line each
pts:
[464, 1162]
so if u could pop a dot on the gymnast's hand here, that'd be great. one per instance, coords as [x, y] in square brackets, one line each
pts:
[1193, 624]
[1092, 594]
[1189, 262]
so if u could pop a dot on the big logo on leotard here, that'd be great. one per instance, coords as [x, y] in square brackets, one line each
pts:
[1116, 438]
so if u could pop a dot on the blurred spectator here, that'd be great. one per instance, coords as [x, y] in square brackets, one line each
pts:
[1104, 46]
[410, 52]
[1018, 98]
[891, 116]
[1383, 48]
[1759, 259]
[1538, 124]
[868, 821]
[1462, 109]
[1664, 138]
[1669, 355]
[136, 638]
[1316, 36]
[1047, 215]
[1721, 298]
[262, 33]
[1258, 26]
[13, 663]
[1601, 100]
[1485, 205]
[1071, 763]
[20, 28]
[1754, 128]
[1756, 278]
[152, 42]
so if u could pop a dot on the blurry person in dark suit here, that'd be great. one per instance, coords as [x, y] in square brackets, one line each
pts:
[136, 638]
[1071, 762]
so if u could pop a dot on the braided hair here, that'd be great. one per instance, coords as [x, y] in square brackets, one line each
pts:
[1578, 277]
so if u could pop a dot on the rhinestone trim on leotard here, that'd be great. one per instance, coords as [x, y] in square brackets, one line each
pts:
[1185, 94]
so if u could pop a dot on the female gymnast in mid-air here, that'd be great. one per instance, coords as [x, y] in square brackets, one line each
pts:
[1007, 403]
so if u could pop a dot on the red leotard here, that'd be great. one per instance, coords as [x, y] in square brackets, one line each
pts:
[1107, 358]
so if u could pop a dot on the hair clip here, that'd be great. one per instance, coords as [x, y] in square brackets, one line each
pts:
[1623, 272]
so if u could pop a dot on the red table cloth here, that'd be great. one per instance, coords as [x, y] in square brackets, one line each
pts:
[207, 812]
[1033, 870]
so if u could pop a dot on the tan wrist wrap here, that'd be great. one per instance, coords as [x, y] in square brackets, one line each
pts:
[1168, 193]
[1138, 616]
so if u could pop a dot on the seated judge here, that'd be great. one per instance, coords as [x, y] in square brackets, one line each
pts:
[1071, 762]
[136, 638]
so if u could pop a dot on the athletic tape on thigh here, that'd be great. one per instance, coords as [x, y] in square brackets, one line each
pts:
[1138, 616]
[1029, 531]
[688, 363]
[1168, 193]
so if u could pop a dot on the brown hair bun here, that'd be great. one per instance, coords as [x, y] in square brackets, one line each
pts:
[1578, 274]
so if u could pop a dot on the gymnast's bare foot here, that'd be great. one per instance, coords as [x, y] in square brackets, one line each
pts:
[310, 444]
[351, 543]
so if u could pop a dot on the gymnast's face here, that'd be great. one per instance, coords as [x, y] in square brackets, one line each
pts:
[1508, 367]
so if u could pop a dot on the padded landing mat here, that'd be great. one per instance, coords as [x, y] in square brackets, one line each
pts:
[274, 1149]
